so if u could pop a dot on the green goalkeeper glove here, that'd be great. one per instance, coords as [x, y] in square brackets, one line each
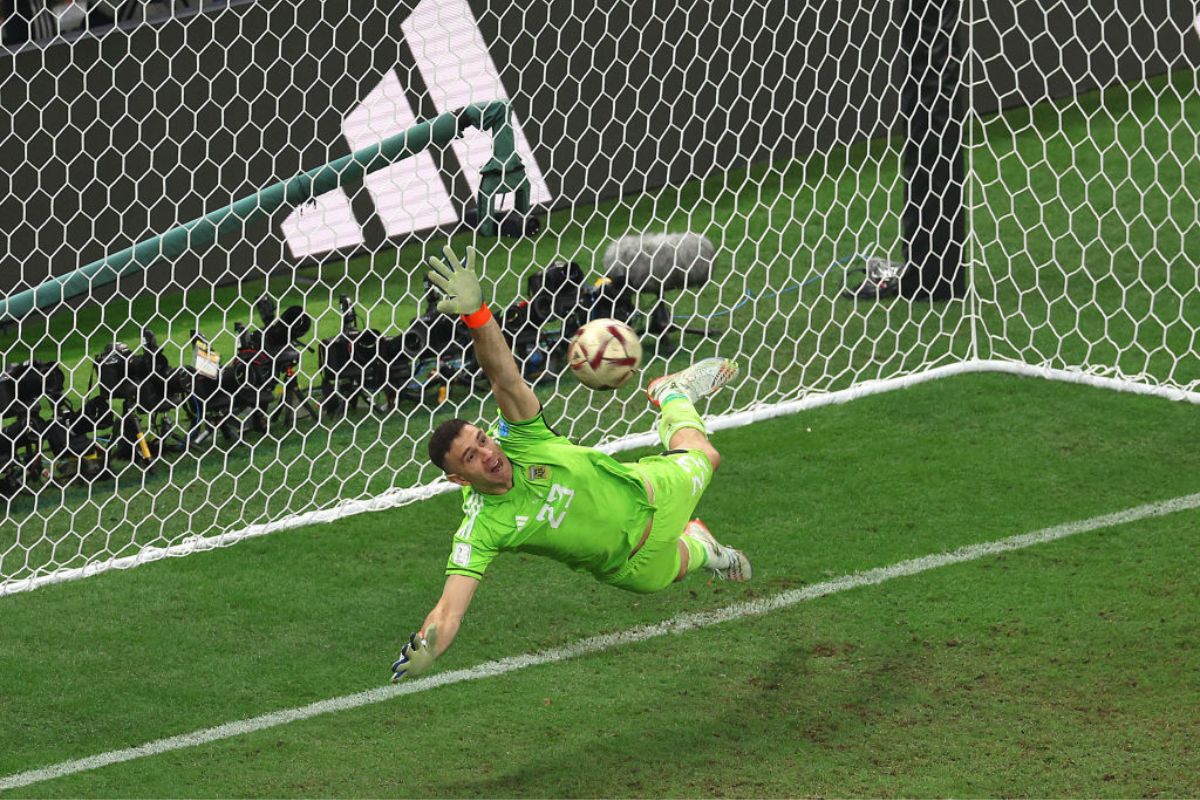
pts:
[417, 654]
[459, 286]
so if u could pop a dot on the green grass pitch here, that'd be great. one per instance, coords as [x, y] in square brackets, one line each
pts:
[1068, 669]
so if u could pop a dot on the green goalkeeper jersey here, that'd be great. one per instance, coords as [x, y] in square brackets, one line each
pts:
[570, 503]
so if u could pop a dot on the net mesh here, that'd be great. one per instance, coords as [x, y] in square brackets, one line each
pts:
[756, 151]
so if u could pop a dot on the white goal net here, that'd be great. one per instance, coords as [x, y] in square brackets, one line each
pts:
[199, 346]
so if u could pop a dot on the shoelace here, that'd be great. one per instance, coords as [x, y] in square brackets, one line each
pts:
[722, 573]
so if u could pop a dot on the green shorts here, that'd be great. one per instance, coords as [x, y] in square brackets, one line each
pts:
[679, 478]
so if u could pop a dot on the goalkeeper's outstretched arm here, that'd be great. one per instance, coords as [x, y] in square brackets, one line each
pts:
[463, 295]
[439, 629]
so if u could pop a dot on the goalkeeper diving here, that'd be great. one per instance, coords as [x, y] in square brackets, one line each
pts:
[527, 489]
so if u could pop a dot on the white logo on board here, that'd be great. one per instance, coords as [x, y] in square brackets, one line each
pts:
[411, 195]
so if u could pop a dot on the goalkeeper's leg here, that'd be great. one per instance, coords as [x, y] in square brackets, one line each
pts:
[693, 439]
[699, 548]
[680, 427]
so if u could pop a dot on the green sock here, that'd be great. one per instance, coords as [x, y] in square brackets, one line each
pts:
[697, 553]
[677, 413]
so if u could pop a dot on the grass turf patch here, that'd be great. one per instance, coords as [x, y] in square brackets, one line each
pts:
[861, 693]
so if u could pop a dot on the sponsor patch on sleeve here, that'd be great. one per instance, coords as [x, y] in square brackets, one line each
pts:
[462, 554]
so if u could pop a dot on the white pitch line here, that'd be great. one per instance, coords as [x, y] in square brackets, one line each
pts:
[677, 624]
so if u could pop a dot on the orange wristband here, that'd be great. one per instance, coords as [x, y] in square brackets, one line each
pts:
[477, 319]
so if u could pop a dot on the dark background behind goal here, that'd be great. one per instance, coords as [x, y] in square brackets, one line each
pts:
[110, 139]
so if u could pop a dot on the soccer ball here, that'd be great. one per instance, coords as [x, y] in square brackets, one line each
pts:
[604, 354]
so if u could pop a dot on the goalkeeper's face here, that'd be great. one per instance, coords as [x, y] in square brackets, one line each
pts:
[474, 458]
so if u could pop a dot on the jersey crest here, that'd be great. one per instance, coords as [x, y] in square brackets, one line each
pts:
[539, 472]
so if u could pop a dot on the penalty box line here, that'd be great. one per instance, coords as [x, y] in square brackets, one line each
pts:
[677, 624]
